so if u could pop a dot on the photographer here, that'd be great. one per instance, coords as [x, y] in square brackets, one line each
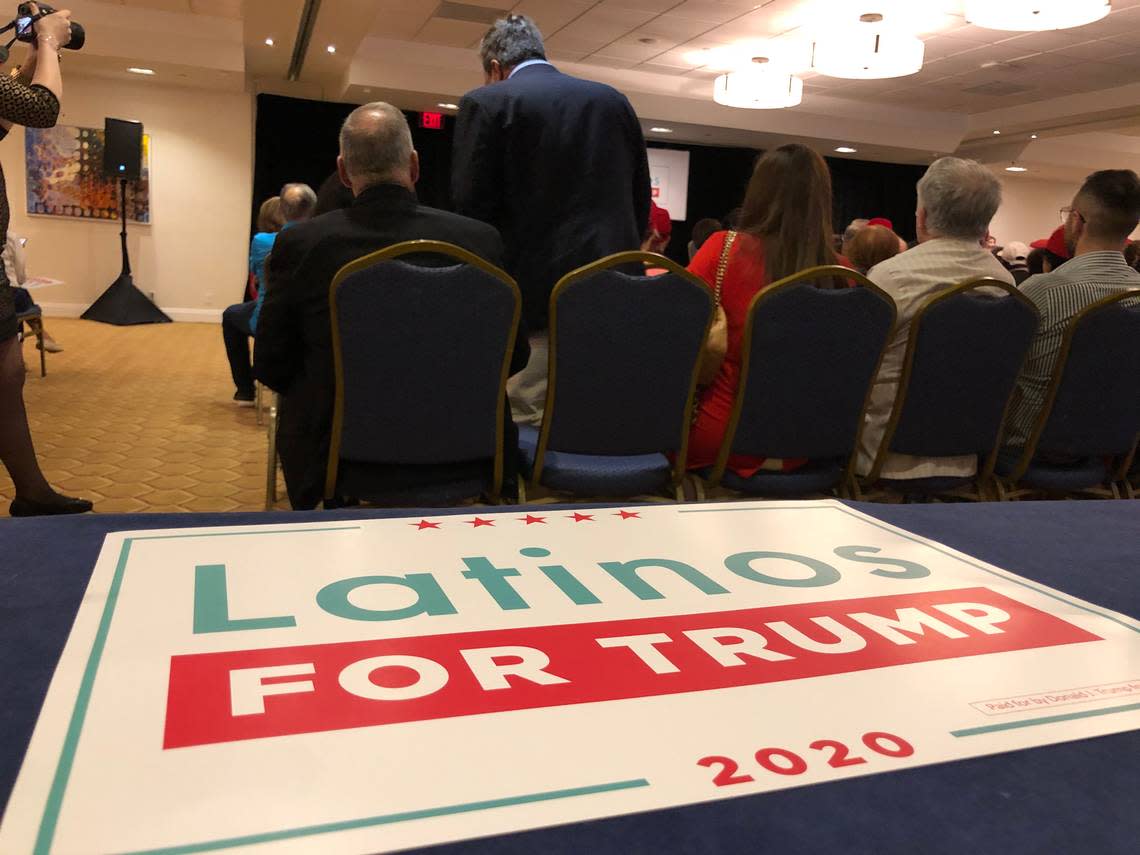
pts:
[31, 99]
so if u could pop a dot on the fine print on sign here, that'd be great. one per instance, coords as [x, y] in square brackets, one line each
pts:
[385, 684]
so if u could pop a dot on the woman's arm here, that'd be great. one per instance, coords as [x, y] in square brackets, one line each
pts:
[37, 105]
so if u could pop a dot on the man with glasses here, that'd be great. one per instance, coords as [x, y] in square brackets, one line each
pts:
[1105, 211]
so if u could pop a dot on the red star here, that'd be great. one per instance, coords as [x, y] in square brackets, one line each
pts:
[529, 520]
[478, 522]
[626, 515]
[581, 517]
[422, 524]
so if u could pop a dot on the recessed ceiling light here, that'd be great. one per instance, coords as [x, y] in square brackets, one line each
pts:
[661, 130]
[997, 133]
[1016, 169]
[269, 42]
[648, 41]
[1033, 136]
[448, 106]
[135, 70]
[846, 149]
[331, 48]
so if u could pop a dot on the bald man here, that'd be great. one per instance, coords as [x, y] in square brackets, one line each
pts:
[293, 348]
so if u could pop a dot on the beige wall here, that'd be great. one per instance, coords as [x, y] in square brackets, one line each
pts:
[194, 255]
[1030, 208]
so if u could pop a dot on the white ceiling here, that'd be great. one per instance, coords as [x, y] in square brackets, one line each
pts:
[1082, 84]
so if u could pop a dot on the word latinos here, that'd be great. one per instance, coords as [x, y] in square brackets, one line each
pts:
[212, 609]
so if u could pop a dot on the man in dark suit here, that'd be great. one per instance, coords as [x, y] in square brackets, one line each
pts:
[558, 166]
[293, 348]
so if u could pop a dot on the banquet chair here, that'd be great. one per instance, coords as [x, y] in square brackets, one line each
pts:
[808, 359]
[965, 350]
[1088, 423]
[35, 323]
[624, 355]
[422, 336]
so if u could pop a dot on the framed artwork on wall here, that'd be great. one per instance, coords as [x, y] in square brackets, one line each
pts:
[65, 176]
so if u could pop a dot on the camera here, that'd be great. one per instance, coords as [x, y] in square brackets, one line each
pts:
[26, 20]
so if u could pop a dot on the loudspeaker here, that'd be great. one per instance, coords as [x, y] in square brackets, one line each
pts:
[122, 149]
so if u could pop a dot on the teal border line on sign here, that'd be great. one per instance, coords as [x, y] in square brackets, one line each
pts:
[389, 819]
[921, 542]
[1051, 719]
[50, 818]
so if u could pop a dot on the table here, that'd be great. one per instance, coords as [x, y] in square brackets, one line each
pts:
[1073, 797]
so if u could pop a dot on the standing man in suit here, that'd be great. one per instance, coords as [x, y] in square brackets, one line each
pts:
[293, 348]
[558, 166]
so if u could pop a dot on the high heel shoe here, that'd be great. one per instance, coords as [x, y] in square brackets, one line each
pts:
[22, 507]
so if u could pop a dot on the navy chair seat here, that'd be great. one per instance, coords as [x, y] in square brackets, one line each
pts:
[815, 476]
[596, 474]
[1082, 474]
[924, 486]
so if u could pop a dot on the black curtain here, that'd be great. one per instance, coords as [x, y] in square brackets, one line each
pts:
[296, 140]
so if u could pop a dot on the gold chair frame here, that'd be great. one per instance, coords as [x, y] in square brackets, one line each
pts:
[984, 478]
[568, 281]
[827, 271]
[417, 247]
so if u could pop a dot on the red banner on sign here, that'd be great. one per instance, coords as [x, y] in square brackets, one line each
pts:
[250, 694]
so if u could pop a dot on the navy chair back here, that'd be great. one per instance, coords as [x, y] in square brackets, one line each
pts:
[1092, 406]
[808, 358]
[423, 334]
[965, 350]
[624, 352]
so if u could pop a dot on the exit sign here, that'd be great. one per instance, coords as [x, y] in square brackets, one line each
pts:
[432, 121]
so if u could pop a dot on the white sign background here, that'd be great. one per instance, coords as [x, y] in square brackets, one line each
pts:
[669, 176]
[97, 779]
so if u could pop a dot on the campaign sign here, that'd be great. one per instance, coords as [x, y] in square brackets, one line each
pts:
[384, 684]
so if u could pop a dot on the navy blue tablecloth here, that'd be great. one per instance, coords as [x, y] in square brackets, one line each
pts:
[1078, 797]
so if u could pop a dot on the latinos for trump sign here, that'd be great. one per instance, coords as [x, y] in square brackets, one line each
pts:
[374, 686]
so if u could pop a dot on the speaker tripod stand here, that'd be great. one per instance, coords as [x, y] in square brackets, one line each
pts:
[122, 303]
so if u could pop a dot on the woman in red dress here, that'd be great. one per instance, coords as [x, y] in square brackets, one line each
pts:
[785, 227]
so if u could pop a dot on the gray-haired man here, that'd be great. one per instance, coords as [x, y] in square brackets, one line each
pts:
[956, 201]
[558, 165]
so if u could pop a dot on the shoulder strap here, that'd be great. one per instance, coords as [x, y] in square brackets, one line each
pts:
[722, 265]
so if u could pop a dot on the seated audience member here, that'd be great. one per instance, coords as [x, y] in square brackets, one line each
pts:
[1035, 262]
[660, 230]
[332, 195]
[239, 322]
[16, 269]
[785, 227]
[701, 232]
[293, 347]
[1014, 255]
[1104, 212]
[1132, 254]
[1054, 252]
[956, 201]
[872, 245]
[881, 221]
[853, 228]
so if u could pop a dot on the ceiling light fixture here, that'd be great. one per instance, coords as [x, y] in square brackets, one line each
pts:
[661, 130]
[867, 50]
[1035, 14]
[269, 42]
[1015, 168]
[447, 106]
[1033, 136]
[331, 48]
[997, 133]
[136, 70]
[846, 149]
[758, 88]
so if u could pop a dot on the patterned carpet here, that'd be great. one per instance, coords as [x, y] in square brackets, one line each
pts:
[140, 419]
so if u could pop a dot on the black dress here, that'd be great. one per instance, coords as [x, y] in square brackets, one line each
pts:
[35, 107]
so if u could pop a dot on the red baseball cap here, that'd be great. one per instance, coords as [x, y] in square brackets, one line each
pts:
[659, 220]
[881, 221]
[1055, 243]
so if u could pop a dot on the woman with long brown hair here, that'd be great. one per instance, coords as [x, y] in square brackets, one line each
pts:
[784, 227]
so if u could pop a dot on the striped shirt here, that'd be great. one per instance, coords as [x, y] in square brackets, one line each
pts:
[1059, 296]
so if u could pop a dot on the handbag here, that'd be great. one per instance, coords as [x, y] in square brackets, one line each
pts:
[716, 343]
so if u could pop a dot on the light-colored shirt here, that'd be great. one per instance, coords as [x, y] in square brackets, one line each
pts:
[523, 65]
[1059, 296]
[911, 278]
